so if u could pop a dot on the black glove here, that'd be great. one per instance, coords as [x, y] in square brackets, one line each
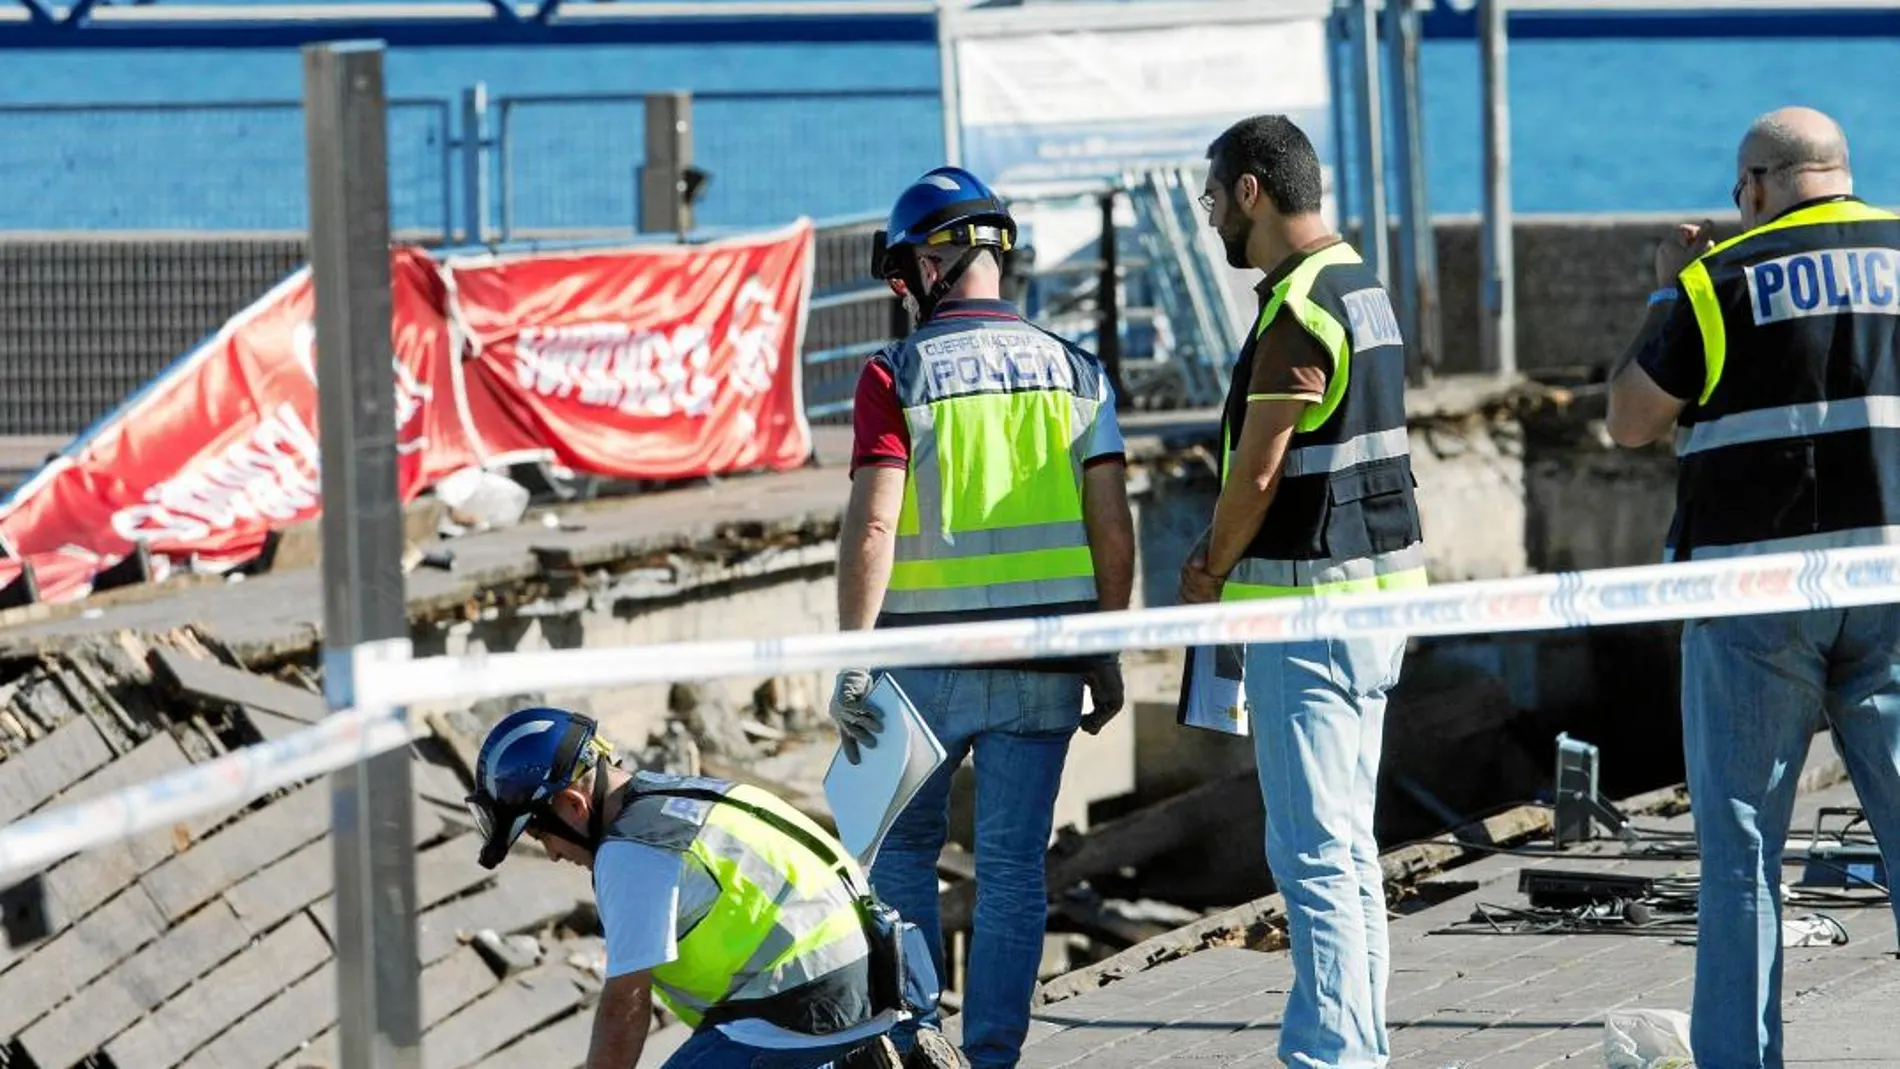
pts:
[858, 723]
[1105, 694]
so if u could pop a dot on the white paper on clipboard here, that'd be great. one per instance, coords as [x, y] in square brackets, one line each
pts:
[1213, 690]
[867, 797]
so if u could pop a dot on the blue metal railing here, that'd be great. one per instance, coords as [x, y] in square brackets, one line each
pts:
[85, 24]
[562, 165]
[758, 146]
[218, 165]
[1756, 19]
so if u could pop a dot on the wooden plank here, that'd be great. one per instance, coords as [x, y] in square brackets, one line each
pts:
[270, 726]
[277, 1028]
[436, 781]
[561, 1045]
[232, 853]
[1249, 923]
[287, 885]
[220, 997]
[138, 984]
[447, 870]
[211, 681]
[447, 986]
[527, 894]
[308, 876]
[49, 766]
[516, 1005]
[58, 968]
[453, 983]
[80, 883]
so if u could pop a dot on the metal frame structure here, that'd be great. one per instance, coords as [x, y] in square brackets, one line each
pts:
[88, 24]
[1572, 19]
[452, 23]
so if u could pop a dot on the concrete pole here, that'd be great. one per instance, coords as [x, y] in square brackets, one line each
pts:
[1418, 246]
[475, 163]
[1372, 217]
[1404, 279]
[1497, 313]
[378, 1006]
[1338, 41]
[669, 141]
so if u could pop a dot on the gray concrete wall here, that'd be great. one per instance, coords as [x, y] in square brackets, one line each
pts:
[1581, 283]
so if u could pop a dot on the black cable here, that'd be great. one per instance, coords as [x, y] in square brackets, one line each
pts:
[1825, 863]
[1579, 920]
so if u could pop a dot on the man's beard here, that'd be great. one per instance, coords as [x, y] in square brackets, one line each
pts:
[1236, 246]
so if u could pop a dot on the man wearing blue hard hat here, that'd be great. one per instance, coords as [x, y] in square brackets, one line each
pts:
[748, 920]
[987, 483]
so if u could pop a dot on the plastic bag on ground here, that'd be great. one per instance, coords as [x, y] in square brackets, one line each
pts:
[480, 500]
[1646, 1039]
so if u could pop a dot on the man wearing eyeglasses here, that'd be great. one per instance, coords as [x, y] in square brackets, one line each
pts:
[1774, 359]
[1316, 498]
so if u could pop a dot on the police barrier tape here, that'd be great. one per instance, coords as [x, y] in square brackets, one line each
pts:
[384, 683]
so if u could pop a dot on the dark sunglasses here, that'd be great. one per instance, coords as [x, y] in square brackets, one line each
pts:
[1736, 193]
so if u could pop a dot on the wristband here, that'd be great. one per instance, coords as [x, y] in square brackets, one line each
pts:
[1662, 296]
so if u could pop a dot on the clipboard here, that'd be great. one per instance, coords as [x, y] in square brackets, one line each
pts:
[866, 798]
[1213, 690]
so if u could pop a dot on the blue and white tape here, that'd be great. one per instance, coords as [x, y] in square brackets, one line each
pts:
[385, 683]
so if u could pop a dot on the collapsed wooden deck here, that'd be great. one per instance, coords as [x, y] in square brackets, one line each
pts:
[210, 943]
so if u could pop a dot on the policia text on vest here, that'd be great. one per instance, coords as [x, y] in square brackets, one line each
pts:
[1792, 439]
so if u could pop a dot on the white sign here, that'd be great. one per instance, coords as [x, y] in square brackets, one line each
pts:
[1061, 106]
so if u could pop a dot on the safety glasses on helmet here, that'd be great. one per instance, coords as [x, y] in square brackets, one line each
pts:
[501, 824]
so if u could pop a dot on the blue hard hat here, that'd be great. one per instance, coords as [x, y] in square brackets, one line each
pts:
[529, 756]
[947, 206]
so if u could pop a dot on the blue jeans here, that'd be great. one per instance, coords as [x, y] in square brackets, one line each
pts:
[712, 1049]
[1019, 725]
[1755, 690]
[1318, 720]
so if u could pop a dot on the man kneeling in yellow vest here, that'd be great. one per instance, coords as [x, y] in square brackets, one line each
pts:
[750, 922]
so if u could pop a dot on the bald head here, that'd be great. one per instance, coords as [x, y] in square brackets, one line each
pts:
[1798, 154]
[1794, 137]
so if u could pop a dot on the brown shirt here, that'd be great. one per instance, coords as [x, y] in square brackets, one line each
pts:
[1288, 363]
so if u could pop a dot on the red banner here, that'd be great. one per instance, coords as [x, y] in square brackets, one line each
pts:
[653, 362]
[650, 362]
[222, 448]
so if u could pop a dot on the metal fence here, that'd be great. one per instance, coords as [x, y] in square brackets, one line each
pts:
[86, 321]
[557, 164]
[229, 165]
[86, 318]
[568, 163]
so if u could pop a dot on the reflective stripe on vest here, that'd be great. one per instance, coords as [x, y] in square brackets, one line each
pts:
[783, 917]
[1399, 568]
[1794, 441]
[1402, 569]
[992, 510]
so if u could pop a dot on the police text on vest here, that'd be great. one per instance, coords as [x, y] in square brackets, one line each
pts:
[994, 361]
[1369, 313]
[1825, 282]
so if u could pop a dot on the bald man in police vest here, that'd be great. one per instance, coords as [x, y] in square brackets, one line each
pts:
[1774, 360]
